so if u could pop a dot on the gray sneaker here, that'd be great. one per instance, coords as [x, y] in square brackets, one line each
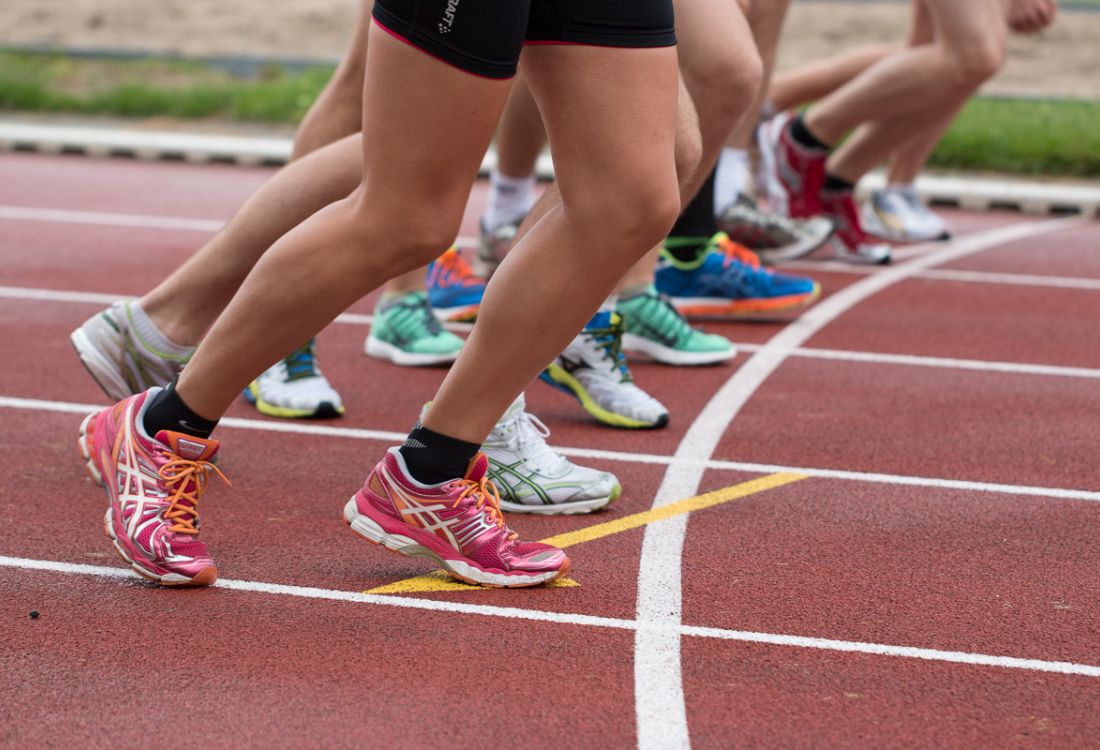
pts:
[773, 237]
[493, 246]
[118, 358]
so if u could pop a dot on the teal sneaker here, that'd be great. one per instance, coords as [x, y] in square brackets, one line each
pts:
[657, 329]
[406, 332]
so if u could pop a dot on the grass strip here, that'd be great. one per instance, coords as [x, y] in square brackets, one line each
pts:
[1008, 136]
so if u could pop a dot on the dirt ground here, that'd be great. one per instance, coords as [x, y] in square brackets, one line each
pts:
[1060, 62]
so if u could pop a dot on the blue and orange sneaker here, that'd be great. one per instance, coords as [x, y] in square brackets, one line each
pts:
[727, 280]
[453, 290]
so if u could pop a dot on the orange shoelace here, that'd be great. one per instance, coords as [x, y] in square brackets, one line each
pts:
[458, 270]
[737, 251]
[485, 492]
[182, 474]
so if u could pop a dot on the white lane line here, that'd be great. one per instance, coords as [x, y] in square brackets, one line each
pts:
[1014, 279]
[101, 218]
[144, 221]
[660, 710]
[909, 360]
[320, 430]
[568, 618]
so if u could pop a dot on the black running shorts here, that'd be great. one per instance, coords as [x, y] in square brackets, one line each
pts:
[484, 37]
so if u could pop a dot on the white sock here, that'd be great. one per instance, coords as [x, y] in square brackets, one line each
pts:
[733, 174]
[509, 200]
[149, 334]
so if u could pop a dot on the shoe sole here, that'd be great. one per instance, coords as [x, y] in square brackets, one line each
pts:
[460, 314]
[205, 577]
[666, 355]
[324, 410]
[841, 253]
[702, 307]
[575, 508]
[365, 527]
[379, 349]
[103, 371]
[563, 381]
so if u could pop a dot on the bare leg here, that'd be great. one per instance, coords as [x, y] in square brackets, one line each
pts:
[614, 205]
[808, 83]
[408, 206]
[521, 136]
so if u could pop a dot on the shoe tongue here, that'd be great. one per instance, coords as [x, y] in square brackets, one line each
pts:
[188, 447]
[517, 406]
[479, 465]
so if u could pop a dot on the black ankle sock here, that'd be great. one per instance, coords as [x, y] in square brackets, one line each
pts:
[834, 184]
[803, 137]
[168, 412]
[696, 225]
[433, 458]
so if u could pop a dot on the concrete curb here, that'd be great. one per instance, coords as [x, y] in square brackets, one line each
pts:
[979, 193]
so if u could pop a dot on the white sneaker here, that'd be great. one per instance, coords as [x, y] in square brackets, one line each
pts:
[533, 478]
[122, 360]
[897, 213]
[295, 388]
[593, 370]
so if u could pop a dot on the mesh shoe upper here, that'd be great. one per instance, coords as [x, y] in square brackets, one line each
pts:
[851, 241]
[295, 387]
[454, 291]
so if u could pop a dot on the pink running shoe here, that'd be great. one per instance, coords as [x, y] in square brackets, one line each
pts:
[793, 174]
[153, 487]
[850, 240]
[458, 524]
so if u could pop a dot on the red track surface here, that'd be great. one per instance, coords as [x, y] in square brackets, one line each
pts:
[983, 570]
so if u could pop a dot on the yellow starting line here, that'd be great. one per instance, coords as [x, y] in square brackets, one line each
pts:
[440, 581]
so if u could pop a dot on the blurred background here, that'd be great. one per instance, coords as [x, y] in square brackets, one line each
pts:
[255, 66]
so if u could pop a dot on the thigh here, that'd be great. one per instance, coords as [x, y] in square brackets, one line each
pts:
[960, 26]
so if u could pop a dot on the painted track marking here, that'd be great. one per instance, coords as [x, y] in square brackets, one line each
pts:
[1058, 493]
[567, 618]
[660, 709]
[421, 584]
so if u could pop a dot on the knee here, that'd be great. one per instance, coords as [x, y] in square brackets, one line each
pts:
[633, 216]
[399, 239]
[975, 63]
[689, 152]
[725, 88]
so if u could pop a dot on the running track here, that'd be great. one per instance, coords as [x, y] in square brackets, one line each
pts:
[907, 556]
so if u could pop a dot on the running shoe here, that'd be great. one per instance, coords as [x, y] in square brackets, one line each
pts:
[454, 291]
[593, 370]
[793, 174]
[295, 388]
[728, 280]
[406, 332]
[772, 237]
[456, 524]
[492, 246]
[119, 358]
[655, 327]
[533, 478]
[153, 487]
[851, 242]
[897, 214]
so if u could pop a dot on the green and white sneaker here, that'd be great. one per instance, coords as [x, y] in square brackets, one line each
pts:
[406, 332]
[593, 370]
[295, 388]
[125, 353]
[657, 329]
[533, 478]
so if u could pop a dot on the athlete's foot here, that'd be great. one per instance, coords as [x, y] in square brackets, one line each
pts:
[295, 388]
[456, 524]
[655, 328]
[406, 332]
[851, 242]
[727, 280]
[533, 478]
[125, 353]
[774, 238]
[453, 290]
[897, 214]
[793, 173]
[593, 370]
[153, 487]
